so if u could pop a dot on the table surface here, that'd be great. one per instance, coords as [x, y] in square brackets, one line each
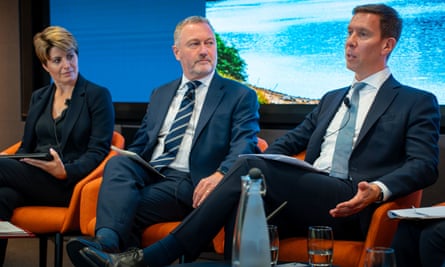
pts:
[228, 264]
[203, 264]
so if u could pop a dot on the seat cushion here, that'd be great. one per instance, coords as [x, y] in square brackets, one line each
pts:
[156, 232]
[40, 219]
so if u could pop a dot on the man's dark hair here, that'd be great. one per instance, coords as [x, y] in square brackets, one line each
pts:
[390, 21]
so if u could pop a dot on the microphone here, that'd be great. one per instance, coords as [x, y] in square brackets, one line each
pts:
[347, 102]
[67, 101]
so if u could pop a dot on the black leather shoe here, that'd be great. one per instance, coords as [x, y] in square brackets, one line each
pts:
[76, 244]
[97, 258]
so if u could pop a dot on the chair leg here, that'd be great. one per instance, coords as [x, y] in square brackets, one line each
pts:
[58, 250]
[43, 241]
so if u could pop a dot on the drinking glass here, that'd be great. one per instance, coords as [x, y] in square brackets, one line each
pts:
[320, 244]
[380, 257]
[274, 244]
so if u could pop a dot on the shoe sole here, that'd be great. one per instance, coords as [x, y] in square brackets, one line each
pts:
[86, 260]
[73, 249]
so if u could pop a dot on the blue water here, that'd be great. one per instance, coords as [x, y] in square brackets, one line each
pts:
[297, 47]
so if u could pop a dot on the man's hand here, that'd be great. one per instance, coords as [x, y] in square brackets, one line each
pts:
[367, 193]
[205, 187]
[54, 167]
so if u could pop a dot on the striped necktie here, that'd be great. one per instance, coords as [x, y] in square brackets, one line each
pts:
[177, 130]
[343, 145]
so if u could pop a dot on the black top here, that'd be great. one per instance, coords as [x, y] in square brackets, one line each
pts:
[49, 130]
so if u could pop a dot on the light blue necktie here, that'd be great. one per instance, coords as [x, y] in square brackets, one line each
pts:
[343, 145]
[177, 130]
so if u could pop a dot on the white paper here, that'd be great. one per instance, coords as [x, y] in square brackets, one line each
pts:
[435, 212]
[286, 159]
[9, 228]
[138, 159]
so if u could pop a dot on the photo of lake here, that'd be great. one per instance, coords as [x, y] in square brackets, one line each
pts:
[296, 47]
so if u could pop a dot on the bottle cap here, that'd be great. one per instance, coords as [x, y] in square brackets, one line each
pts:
[255, 173]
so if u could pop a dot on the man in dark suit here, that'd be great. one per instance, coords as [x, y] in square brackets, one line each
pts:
[420, 243]
[394, 152]
[223, 124]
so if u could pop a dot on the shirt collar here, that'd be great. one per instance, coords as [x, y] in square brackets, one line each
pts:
[204, 81]
[377, 79]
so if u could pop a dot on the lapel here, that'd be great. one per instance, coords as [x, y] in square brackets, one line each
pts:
[326, 116]
[36, 109]
[383, 99]
[159, 108]
[76, 105]
[214, 95]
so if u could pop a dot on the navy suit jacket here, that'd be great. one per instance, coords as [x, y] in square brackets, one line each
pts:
[227, 126]
[87, 130]
[397, 145]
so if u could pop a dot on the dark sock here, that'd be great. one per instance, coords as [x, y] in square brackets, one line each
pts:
[108, 238]
[163, 252]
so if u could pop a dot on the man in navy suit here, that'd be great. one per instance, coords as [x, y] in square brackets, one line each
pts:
[394, 153]
[223, 125]
[420, 243]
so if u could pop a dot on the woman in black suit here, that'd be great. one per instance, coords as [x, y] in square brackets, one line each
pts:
[72, 119]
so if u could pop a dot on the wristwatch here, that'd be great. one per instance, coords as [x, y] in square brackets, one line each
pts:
[380, 198]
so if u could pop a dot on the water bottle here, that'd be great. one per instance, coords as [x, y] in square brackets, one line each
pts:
[251, 237]
[245, 183]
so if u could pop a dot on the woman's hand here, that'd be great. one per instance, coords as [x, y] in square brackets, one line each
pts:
[54, 167]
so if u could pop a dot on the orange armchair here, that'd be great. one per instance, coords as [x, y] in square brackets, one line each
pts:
[346, 253]
[152, 233]
[45, 221]
[352, 253]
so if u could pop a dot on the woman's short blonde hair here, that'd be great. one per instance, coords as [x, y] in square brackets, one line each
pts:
[53, 36]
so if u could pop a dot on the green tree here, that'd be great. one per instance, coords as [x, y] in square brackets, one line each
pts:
[230, 64]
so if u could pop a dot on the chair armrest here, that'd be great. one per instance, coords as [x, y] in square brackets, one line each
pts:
[88, 204]
[12, 149]
[382, 229]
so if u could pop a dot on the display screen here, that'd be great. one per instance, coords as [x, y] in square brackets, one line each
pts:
[296, 47]
[292, 48]
[125, 46]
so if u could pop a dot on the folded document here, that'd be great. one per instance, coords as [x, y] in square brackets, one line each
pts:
[286, 159]
[435, 212]
[8, 229]
[139, 160]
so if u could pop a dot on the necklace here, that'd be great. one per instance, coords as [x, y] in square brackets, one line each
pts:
[59, 109]
[61, 100]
